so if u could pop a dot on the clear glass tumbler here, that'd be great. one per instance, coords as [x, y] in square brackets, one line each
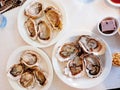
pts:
[3, 21]
[86, 1]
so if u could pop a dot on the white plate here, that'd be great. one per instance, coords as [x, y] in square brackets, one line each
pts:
[14, 59]
[82, 82]
[22, 18]
[114, 4]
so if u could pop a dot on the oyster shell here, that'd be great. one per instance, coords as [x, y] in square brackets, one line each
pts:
[33, 10]
[30, 58]
[75, 68]
[15, 71]
[54, 17]
[44, 32]
[91, 45]
[93, 65]
[27, 80]
[31, 28]
[40, 77]
[66, 52]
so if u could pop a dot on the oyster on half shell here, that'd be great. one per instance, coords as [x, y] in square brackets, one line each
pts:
[54, 17]
[39, 75]
[33, 10]
[66, 52]
[31, 28]
[91, 45]
[15, 71]
[44, 32]
[75, 67]
[93, 65]
[27, 80]
[30, 58]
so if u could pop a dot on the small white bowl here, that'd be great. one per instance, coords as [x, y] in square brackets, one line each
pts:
[109, 34]
[113, 3]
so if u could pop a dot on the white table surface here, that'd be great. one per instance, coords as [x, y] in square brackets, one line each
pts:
[79, 16]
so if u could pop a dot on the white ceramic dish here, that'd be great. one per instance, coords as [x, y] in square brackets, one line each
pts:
[82, 82]
[114, 4]
[22, 18]
[111, 34]
[47, 67]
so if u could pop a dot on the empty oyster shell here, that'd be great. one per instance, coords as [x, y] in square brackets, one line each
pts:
[66, 52]
[30, 58]
[40, 77]
[54, 17]
[93, 65]
[44, 32]
[33, 10]
[91, 45]
[27, 80]
[75, 68]
[31, 28]
[15, 71]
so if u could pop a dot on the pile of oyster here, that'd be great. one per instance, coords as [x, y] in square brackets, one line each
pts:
[82, 57]
[43, 22]
[27, 72]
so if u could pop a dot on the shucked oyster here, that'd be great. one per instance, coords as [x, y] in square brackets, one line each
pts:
[30, 58]
[54, 17]
[75, 68]
[27, 80]
[34, 10]
[91, 45]
[44, 32]
[40, 77]
[66, 52]
[93, 66]
[15, 71]
[31, 28]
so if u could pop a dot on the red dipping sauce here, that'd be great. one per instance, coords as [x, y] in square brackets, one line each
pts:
[116, 1]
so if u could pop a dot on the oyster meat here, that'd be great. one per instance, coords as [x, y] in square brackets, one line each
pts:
[44, 32]
[40, 76]
[54, 17]
[30, 58]
[67, 51]
[31, 28]
[16, 70]
[75, 67]
[93, 65]
[33, 10]
[91, 45]
[27, 80]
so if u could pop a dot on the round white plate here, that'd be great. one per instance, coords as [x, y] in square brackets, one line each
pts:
[114, 4]
[22, 18]
[47, 67]
[82, 82]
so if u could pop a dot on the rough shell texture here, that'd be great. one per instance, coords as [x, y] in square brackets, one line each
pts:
[75, 68]
[31, 28]
[66, 52]
[54, 17]
[30, 58]
[44, 32]
[34, 10]
[93, 65]
[91, 45]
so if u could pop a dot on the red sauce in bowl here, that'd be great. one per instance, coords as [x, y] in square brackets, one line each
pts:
[116, 1]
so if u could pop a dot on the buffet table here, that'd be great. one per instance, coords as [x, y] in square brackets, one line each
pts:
[79, 16]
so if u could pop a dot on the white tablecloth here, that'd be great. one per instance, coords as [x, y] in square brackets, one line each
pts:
[79, 16]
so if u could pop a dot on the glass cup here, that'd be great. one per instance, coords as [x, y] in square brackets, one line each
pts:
[3, 21]
[86, 1]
